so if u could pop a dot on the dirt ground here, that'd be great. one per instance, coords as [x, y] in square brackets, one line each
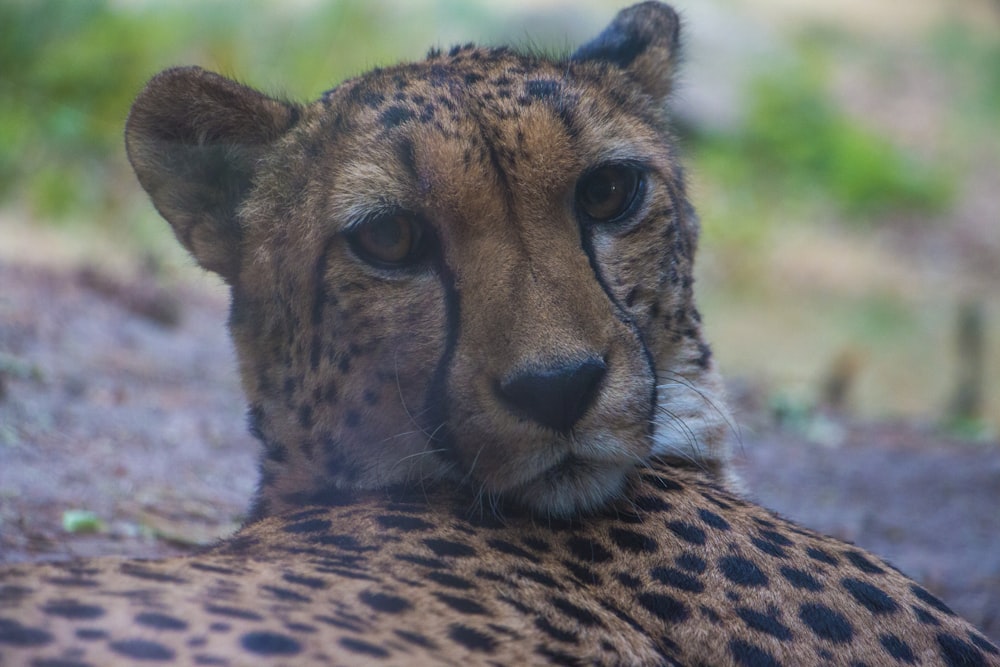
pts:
[121, 398]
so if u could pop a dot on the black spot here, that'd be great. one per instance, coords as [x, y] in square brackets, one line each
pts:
[133, 570]
[630, 297]
[588, 550]
[872, 598]
[536, 544]
[556, 633]
[233, 612]
[73, 610]
[629, 581]
[741, 571]
[583, 573]
[661, 482]
[372, 98]
[957, 653]
[583, 616]
[472, 639]
[538, 577]
[776, 538]
[632, 541]
[363, 647]
[770, 548]
[142, 649]
[160, 621]
[394, 116]
[542, 88]
[450, 580]
[713, 519]
[897, 648]
[925, 616]
[62, 582]
[401, 522]
[767, 623]
[58, 662]
[449, 548]
[826, 623]
[664, 607]
[215, 569]
[415, 638]
[309, 526]
[710, 614]
[310, 582]
[704, 355]
[983, 643]
[506, 547]
[352, 419]
[715, 501]
[91, 634]
[863, 563]
[269, 643]
[219, 627]
[691, 563]
[748, 655]
[275, 451]
[931, 600]
[821, 556]
[461, 605]
[13, 633]
[432, 563]
[801, 579]
[651, 504]
[677, 579]
[305, 416]
[285, 594]
[473, 77]
[687, 532]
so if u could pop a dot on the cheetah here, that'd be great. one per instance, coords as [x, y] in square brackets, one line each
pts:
[492, 429]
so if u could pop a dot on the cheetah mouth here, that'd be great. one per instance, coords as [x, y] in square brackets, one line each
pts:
[572, 486]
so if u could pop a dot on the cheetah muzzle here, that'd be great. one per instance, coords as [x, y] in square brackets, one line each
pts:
[492, 431]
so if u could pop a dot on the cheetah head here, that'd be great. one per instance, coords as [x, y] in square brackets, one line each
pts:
[474, 268]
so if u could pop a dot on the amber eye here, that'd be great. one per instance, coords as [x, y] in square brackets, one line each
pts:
[608, 193]
[391, 241]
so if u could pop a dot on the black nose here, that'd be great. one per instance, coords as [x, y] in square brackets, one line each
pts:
[555, 396]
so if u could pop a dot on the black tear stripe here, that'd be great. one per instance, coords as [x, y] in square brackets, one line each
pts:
[319, 282]
[435, 403]
[586, 242]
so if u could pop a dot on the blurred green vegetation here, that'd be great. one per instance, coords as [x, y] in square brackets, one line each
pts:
[797, 147]
[69, 70]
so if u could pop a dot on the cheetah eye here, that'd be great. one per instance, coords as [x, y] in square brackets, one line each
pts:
[609, 193]
[395, 240]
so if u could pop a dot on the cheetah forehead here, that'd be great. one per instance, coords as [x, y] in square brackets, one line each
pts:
[447, 125]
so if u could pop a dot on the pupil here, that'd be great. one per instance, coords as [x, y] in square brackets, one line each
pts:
[387, 234]
[602, 189]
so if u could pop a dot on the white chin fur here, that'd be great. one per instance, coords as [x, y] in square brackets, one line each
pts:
[580, 490]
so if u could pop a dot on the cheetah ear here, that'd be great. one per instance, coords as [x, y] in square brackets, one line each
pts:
[644, 40]
[194, 139]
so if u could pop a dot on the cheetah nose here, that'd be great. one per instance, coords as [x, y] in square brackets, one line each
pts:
[555, 396]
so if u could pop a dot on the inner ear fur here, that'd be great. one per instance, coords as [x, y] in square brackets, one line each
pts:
[194, 139]
[643, 40]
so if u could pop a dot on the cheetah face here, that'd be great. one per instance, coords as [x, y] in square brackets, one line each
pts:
[474, 268]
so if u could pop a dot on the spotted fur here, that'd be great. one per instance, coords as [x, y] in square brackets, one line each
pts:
[492, 431]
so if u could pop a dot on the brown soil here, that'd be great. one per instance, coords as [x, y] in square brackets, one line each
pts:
[121, 398]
